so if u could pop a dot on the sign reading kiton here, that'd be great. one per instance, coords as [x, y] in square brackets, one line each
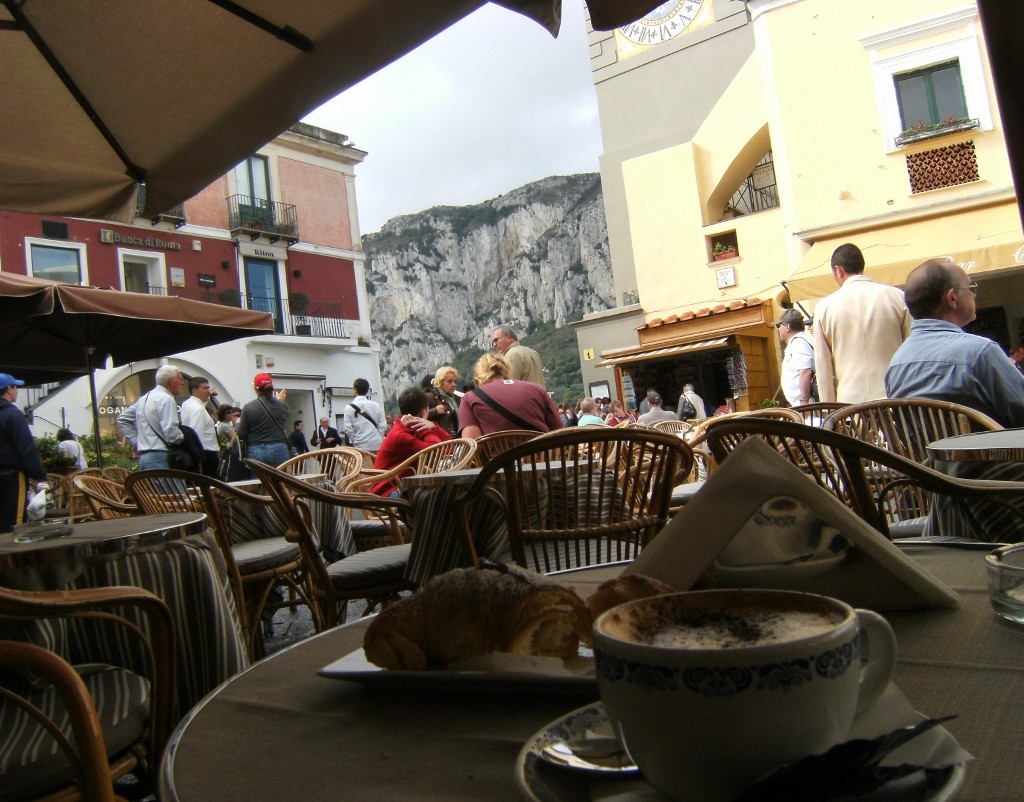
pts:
[113, 238]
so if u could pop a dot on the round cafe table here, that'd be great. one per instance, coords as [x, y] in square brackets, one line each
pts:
[326, 739]
[172, 555]
[1001, 445]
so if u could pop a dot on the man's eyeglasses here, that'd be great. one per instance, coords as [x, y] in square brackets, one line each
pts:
[973, 287]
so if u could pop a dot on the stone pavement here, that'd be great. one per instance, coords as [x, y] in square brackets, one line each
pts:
[291, 627]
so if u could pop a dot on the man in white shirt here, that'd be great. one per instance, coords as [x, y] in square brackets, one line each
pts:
[798, 361]
[364, 419]
[195, 416]
[152, 421]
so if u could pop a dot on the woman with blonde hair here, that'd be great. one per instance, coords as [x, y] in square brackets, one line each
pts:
[443, 404]
[500, 404]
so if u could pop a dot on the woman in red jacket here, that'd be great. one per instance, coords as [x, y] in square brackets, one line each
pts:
[411, 433]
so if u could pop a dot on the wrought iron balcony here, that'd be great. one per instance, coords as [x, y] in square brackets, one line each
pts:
[256, 217]
[305, 318]
[175, 215]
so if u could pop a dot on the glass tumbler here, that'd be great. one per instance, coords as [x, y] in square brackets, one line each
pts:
[1006, 581]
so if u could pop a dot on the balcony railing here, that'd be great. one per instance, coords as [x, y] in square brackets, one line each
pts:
[256, 217]
[175, 215]
[314, 319]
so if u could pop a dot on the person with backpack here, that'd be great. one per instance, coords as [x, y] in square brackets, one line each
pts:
[691, 405]
[365, 426]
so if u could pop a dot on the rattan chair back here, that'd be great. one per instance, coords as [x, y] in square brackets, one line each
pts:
[489, 446]
[340, 465]
[450, 455]
[107, 498]
[905, 426]
[333, 587]
[580, 496]
[816, 413]
[863, 476]
[158, 491]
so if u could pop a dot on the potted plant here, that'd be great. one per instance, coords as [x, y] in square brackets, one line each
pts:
[924, 130]
[724, 250]
[299, 302]
[230, 296]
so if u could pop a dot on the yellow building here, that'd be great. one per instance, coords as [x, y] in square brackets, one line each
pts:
[871, 122]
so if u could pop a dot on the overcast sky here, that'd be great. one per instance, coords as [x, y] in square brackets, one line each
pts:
[490, 104]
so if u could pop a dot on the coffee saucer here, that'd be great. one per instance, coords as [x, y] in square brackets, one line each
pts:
[539, 781]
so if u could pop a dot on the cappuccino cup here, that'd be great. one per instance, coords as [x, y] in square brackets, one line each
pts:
[709, 691]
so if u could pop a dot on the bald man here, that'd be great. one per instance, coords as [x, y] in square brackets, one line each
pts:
[941, 361]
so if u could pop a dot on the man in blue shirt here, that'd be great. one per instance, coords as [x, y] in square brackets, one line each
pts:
[939, 360]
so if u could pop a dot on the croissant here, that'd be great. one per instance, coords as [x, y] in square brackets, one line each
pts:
[474, 611]
[626, 588]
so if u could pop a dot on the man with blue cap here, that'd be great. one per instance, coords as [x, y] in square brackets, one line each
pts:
[19, 460]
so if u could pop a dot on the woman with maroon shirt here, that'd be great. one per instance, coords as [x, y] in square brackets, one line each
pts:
[500, 404]
[618, 415]
[411, 433]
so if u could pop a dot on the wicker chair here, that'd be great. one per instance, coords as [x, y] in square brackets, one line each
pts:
[107, 498]
[678, 427]
[491, 445]
[376, 575]
[451, 455]
[115, 474]
[704, 461]
[340, 465]
[850, 468]
[816, 413]
[566, 513]
[71, 735]
[255, 567]
[905, 427]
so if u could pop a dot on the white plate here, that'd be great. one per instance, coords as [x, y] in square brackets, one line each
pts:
[752, 576]
[539, 781]
[526, 674]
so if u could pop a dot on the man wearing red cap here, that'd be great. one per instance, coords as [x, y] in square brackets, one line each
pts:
[263, 421]
[18, 457]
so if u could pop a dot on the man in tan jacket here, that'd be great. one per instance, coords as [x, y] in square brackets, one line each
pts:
[857, 329]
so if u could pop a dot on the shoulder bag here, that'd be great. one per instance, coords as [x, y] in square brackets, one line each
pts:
[511, 416]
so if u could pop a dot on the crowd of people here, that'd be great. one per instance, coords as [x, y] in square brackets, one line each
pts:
[867, 341]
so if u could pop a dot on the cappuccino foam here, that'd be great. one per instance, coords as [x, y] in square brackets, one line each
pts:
[719, 629]
[728, 631]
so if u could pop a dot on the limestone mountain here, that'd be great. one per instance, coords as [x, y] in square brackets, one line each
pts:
[535, 258]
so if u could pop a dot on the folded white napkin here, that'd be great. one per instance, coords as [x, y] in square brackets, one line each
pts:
[760, 522]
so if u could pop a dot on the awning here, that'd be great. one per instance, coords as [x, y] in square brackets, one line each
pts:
[648, 354]
[891, 253]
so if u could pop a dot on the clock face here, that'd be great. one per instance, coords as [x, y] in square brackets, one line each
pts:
[663, 23]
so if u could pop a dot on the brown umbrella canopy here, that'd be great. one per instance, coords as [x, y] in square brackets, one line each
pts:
[49, 330]
[53, 326]
[98, 95]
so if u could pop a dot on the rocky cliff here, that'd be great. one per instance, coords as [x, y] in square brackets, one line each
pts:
[439, 281]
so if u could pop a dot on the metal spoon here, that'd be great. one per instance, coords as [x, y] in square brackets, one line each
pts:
[593, 753]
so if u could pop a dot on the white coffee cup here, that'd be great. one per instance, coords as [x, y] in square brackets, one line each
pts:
[711, 690]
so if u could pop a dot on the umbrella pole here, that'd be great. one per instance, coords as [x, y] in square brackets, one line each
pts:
[95, 408]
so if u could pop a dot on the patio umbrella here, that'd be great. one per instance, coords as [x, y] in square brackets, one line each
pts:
[99, 95]
[50, 330]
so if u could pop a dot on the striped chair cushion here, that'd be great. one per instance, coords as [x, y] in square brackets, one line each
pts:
[31, 762]
[370, 533]
[370, 568]
[254, 556]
